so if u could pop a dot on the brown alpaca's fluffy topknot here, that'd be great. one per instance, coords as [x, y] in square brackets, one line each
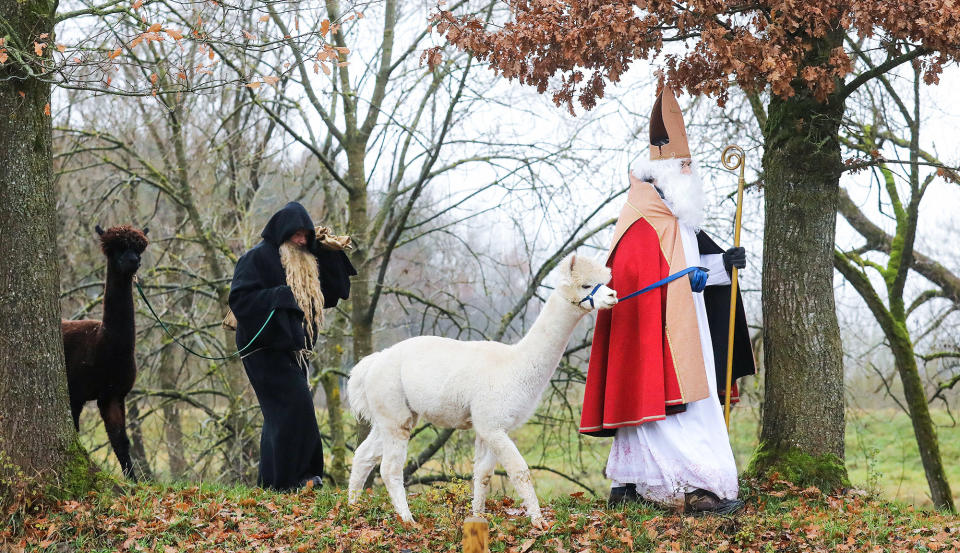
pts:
[121, 238]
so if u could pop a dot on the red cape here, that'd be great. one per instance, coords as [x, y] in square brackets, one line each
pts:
[631, 377]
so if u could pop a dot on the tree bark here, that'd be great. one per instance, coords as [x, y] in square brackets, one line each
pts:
[923, 427]
[37, 438]
[172, 426]
[138, 452]
[338, 451]
[802, 437]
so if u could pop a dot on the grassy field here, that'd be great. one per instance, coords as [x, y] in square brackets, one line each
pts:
[882, 455]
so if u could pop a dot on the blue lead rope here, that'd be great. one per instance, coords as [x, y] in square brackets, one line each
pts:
[697, 283]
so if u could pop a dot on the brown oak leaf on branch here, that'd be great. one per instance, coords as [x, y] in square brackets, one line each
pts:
[722, 43]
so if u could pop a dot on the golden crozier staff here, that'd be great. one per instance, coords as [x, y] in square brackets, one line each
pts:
[733, 158]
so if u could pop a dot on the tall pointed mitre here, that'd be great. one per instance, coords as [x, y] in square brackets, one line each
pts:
[668, 135]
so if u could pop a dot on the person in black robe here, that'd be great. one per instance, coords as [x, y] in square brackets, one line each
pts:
[291, 453]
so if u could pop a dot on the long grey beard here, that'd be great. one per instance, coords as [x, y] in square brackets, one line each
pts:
[683, 192]
[303, 278]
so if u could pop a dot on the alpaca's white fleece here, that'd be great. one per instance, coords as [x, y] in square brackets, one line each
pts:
[489, 386]
[683, 192]
[356, 396]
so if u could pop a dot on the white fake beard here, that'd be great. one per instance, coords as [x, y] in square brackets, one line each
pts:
[303, 278]
[683, 192]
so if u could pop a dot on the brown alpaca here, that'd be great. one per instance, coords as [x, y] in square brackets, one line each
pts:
[99, 354]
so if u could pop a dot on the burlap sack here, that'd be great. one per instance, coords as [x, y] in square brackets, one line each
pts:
[230, 321]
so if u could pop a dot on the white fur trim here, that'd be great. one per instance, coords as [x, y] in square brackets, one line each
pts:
[683, 193]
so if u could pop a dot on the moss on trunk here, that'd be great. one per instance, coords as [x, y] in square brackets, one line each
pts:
[826, 471]
[923, 427]
[78, 475]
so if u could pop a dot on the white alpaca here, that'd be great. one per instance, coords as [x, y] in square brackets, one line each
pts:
[489, 386]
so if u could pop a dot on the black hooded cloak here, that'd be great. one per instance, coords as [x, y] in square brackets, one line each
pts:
[717, 302]
[290, 447]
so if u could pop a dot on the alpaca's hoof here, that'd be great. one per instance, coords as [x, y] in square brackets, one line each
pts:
[538, 522]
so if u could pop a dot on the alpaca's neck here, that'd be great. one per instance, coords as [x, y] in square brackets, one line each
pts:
[547, 339]
[118, 319]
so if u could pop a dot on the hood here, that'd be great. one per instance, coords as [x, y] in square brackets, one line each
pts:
[287, 221]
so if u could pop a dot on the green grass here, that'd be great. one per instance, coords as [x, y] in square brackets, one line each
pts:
[170, 518]
[881, 451]
[882, 454]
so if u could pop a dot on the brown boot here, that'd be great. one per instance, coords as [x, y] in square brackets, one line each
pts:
[700, 502]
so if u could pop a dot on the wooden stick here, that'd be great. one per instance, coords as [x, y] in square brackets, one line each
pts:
[476, 535]
[732, 158]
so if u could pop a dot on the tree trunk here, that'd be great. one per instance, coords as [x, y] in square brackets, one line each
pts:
[138, 452]
[895, 330]
[802, 437]
[172, 423]
[338, 451]
[923, 427]
[242, 448]
[37, 438]
[361, 323]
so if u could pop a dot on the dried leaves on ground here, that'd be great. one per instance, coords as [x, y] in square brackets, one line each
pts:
[778, 517]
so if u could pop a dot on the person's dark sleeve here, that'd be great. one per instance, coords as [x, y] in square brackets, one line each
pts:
[249, 297]
[252, 301]
[335, 272]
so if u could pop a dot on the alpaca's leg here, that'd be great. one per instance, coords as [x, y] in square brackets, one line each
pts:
[365, 458]
[114, 417]
[76, 407]
[509, 456]
[391, 468]
[483, 464]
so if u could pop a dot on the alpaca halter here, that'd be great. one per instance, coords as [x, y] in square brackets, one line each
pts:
[697, 283]
[589, 297]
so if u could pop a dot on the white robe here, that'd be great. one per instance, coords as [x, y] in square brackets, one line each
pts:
[689, 450]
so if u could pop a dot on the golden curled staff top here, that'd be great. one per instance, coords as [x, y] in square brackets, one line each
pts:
[733, 158]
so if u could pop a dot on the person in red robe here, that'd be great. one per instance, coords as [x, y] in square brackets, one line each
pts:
[656, 358]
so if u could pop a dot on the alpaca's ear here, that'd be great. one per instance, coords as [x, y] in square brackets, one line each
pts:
[145, 230]
[573, 261]
[99, 230]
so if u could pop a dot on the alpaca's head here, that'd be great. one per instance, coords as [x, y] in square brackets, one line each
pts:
[123, 246]
[580, 276]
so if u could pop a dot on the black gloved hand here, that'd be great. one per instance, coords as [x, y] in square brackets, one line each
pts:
[314, 247]
[734, 257]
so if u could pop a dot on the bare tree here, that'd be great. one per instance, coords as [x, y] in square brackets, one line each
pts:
[903, 190]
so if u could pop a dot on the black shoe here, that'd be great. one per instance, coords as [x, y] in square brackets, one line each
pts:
[621, 495]
[314, 482]
[701, 502]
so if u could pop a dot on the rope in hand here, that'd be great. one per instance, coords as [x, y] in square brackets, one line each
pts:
[143, 296]
[697, 283]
